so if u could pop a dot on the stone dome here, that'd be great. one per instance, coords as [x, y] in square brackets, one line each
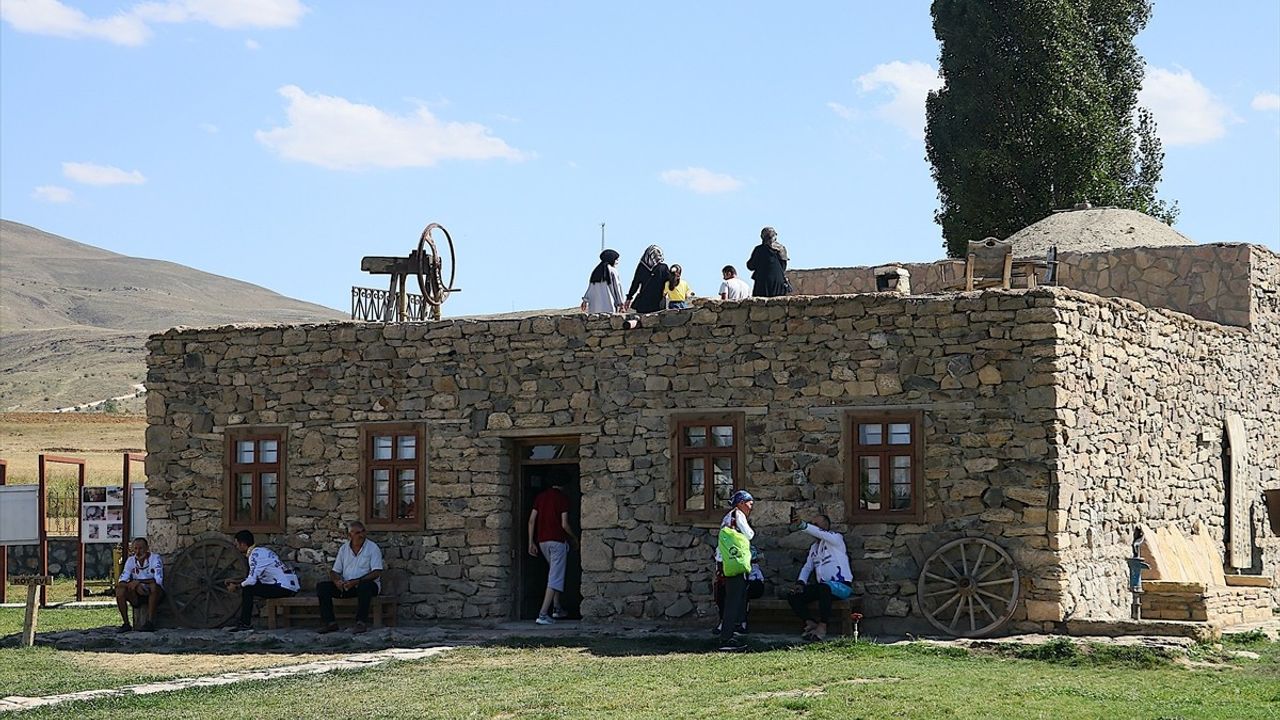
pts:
[1093, 230]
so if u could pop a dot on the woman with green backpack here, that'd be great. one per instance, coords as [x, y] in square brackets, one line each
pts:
[733, 554]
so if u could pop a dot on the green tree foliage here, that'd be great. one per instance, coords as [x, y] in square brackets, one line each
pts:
[1038, 112]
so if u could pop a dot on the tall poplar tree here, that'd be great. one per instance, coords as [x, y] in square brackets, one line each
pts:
[1038, 111]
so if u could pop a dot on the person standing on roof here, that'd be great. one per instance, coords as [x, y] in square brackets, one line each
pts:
[604, 289]
[768, 265]
[646, 292]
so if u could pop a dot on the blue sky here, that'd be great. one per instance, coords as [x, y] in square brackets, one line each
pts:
[278, 142]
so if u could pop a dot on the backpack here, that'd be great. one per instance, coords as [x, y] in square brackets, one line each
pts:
[735, 552]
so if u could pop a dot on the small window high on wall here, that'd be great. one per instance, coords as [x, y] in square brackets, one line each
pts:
[393, 471]
[255, 479]
[884, 466]
[708, 461]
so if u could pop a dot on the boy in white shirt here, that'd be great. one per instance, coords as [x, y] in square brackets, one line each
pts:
[733, 287]
[142, 581]
[268, 578]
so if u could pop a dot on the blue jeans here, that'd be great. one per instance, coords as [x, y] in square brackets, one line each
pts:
[677, 305]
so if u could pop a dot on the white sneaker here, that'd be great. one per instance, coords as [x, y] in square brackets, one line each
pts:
[545, 620]
[559, 615]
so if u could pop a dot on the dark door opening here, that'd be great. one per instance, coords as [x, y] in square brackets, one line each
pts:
[539, 464]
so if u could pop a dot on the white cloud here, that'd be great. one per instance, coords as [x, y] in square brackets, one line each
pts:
[226, 14]
[907, 84]
[1186, 112]
[131, 26]
[252, 44]
[701, 180]
[52, 194]
[91, 174]
[1265, 101]
[336, 133]
[844, 111]
[209, 128]
[50, 17]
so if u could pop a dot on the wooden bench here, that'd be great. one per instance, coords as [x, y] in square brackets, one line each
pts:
[284, 612]
[776, 614]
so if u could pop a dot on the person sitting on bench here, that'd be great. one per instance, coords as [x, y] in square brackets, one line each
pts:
[828, 566]
[355, 574]
[142, 581]
[267, 578]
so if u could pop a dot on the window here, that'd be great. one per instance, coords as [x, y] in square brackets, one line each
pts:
[392, 459]
[708, 456]
[255, 479]
[884, 457]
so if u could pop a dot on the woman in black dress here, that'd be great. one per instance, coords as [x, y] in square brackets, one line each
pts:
[645, 294]
[768, 264]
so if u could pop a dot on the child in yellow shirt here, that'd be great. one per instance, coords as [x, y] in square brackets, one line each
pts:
[677, 291]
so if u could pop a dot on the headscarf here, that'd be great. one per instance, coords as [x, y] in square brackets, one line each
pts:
[601, 273]
[652, 256]
[769, 238]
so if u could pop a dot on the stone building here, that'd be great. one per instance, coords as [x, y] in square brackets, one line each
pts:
[1048, 422]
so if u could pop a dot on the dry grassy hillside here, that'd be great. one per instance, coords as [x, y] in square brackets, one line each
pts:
[74, 318]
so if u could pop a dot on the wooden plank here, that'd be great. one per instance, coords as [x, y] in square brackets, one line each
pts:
[382, 265]
[33, 613]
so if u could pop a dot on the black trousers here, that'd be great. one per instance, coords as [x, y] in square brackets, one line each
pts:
[364, 593]
[260, 590]
[812, 591]
[755, 589]
[735, 606]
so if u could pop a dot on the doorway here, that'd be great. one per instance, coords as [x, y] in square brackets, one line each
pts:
[539, 464]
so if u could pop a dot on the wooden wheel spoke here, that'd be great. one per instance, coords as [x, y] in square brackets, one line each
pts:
[994, 566]
[939, 578]
[1004, 581]
[950, 567]
[973, 625]
[986, 609]
[943, 591]
[964, 562]
[982, 552]
[944, 605]
[955, 617]
[993, 596]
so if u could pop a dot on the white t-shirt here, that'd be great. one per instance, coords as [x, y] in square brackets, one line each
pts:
[265, 568]
[351, 566]
[828, 559]
[735, 288]
[149, 569]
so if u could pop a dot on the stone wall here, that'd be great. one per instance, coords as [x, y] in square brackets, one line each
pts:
[981, 366]
[1144, 396]
[64, 558]
[1210, 282]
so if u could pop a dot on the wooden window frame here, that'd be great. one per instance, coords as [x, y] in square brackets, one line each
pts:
[368, 432]
[232, 469]
[854, 451]
[737, 453]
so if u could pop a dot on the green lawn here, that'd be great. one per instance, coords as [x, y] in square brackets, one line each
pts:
[666, 679]
[59, 618]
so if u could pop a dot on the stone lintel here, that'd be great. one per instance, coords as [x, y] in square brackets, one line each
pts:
[887, 407]
[525, 432]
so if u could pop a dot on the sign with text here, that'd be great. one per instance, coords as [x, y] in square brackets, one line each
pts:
[19, 514]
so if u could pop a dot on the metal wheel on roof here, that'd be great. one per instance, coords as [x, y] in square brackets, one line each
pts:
[968, 587]
[431, 269]
[196, 583]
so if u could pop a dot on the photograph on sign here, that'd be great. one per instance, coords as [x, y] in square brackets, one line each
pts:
[94, 495]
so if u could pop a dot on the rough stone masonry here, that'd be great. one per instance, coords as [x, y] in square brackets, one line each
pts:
[1053, 421]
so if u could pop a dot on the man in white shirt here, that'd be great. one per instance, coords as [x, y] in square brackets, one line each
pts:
[142, 581]
[268, 578]
[355, 574]
[733, 287]
[828, 566]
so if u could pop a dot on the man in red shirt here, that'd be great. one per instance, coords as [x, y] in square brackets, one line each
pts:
[550, 535]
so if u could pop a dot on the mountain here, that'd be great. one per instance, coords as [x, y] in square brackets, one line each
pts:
[74, 318]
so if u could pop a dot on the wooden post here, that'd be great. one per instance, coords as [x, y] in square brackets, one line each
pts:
[33, 604]
[80, 535]
[44, 529]
[4, 549]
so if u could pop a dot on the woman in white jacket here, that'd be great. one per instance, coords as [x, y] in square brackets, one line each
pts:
[825, 575]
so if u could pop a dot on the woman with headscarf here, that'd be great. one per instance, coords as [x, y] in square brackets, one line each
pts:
[649, 282]
[604, 290]
[768, 264]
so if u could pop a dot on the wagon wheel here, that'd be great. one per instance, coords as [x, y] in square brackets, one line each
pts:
[196, 583]
[431, 270]
[969, 587]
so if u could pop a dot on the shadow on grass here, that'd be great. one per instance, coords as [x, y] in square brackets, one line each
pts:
[672, 645]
